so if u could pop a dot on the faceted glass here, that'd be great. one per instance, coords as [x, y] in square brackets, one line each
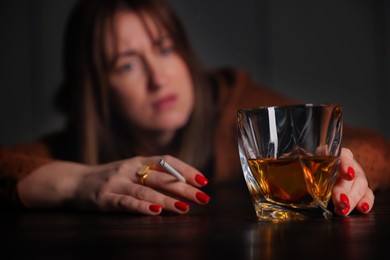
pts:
[289, 157]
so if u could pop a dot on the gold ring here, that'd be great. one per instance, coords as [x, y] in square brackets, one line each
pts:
[142, 173]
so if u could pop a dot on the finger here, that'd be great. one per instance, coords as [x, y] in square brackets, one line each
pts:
[361, 196]
[359, 186]
[148, 194]
[142, 199]
[339, 197]
[117, 202]
[343, 183]
[347, 194]
[346, 168]
[169, 185]
[364, 205]
[191, 174]
[367, 202]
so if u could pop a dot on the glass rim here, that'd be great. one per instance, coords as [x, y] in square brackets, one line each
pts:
[315, 105]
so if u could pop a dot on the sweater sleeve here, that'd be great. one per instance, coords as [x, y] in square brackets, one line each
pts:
[372, 150]
[15, 164]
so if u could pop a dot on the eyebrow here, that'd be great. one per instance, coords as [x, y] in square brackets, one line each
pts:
[161, 39]
[125, 54]
[156, 43]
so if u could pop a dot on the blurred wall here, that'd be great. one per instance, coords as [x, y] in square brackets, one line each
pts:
[314, 51]
[30, 67]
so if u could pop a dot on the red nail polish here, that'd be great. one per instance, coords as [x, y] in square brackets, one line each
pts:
[345, 211]
[351, 173]
[201, 180]
[155, 208]
[344, 199]
[202, 197]
[365, 207]
[182, 206]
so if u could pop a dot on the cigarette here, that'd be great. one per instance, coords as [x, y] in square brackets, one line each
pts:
[171, 170]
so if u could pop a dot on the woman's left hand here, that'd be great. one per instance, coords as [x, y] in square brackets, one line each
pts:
[351, 188]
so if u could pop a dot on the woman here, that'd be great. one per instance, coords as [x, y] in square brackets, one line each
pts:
[133, 90]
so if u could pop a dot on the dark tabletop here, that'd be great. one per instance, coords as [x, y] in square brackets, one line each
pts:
[225, 229]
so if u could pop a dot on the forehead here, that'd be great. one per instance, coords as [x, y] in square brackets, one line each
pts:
[132, 30]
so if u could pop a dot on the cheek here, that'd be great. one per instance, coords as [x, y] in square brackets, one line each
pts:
[129, 100]
[131, 104]
[185, 85]
[189, 94]
[127, 103]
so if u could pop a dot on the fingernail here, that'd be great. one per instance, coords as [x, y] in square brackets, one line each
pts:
[182, 206]
[345, 211]
[202, 197]
[201, 180]
[345, 201]
[351, 173]
[155, 208]
[365, 207]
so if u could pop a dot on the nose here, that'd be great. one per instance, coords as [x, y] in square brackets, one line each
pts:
[157, 75]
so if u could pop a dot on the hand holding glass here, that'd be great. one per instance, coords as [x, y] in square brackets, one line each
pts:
[289, 157]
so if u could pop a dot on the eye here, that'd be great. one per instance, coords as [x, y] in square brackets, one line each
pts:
[126, 67]
[167, 50]
[129, 64]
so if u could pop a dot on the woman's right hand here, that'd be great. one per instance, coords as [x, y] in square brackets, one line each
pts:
[114, 186]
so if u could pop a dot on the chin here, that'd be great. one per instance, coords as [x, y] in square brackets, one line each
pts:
[172, 123]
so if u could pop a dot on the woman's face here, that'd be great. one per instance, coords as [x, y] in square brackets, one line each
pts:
[150, 79]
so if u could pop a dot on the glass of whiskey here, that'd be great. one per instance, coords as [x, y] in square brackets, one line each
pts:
[289, 157]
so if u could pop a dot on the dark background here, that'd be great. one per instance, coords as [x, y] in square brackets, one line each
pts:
[315, 51]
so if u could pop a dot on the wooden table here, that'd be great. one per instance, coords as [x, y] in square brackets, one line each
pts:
[225, 229]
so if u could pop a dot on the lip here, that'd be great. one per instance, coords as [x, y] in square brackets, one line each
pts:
[165, 102]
